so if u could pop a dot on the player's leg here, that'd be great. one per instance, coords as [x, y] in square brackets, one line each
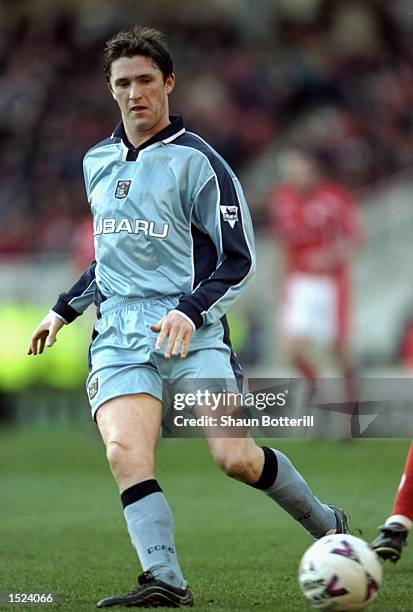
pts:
[273, 473]
[341, 335]
[328, 331]
[393, 536]
[293, 328]
[237, 454]
[342, 358]
[403, 503]
[300, 354]
[129, 426]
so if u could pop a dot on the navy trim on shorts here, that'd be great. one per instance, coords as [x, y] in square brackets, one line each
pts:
[95, 334]
[234, 361]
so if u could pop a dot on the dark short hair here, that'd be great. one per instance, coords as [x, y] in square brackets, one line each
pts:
[139, 41]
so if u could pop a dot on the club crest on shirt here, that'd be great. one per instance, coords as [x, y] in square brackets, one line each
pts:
[230, 214]
[93, 388]
[122, 189]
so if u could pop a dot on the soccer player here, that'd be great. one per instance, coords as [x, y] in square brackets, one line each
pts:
[315, 221]
[173, 250]
[394, 532]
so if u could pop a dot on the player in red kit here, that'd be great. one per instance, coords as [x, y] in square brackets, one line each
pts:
[393, 536]
[314, 220]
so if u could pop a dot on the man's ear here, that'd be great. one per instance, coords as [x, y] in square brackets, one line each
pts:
[169, 83]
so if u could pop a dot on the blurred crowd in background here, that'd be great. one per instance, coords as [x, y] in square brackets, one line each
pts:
[335, 75]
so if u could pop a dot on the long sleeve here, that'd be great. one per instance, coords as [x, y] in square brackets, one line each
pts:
[220, 212]
[75, 301]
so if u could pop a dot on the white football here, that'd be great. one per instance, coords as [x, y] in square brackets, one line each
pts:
[340, 573]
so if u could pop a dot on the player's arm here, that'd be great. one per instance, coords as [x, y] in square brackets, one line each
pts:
[352, 228]
[68, 307]
[74, 302]
[221, 212]
[348, 238]
[284, 223]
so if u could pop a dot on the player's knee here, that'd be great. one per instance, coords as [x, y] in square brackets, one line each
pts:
[124, 460]
[116, 453]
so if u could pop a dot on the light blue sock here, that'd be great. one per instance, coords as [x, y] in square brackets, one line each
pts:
[150, 525]
[293, 494]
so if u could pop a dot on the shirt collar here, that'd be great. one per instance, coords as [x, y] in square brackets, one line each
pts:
[169, 133]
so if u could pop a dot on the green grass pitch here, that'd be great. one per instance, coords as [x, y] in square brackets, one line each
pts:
[62, 527]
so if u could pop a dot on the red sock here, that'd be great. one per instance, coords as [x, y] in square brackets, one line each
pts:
[306, 369]
[403, 503]
[350, 384]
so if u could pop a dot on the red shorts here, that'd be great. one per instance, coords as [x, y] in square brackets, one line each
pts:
[316, 307]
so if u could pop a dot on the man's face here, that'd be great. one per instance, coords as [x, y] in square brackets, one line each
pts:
[138, 87]
[300, 170]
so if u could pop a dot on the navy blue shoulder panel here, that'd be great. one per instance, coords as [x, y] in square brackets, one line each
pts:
[104, 143]
[188, 139]
[211, 284]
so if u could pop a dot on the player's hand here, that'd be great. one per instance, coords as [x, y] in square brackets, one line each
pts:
[178, 331]
[45, 334]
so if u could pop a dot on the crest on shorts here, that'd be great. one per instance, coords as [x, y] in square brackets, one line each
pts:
[93, 388]
[122, 189]
[230, 214]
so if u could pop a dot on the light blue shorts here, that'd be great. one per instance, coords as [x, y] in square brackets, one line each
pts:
[123, 358]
